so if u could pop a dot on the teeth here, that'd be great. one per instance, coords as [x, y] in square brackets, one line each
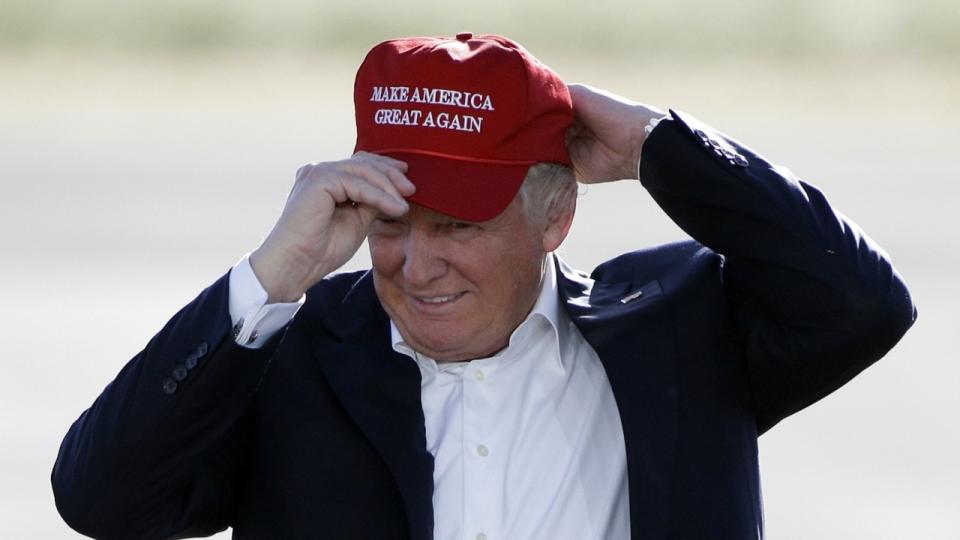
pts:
[438, 299]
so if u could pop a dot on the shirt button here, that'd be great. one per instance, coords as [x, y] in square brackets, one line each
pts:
[483, 451]
[481, 536]
[478, 375]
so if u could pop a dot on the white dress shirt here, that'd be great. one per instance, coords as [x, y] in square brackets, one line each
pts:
[527, 443]
[254, 320]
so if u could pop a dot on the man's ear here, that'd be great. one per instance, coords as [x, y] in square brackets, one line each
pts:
[558, 225]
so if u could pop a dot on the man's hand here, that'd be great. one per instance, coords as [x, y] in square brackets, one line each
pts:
[325, 220]
[607, 134]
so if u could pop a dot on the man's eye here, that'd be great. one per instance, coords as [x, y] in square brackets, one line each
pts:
[461, 225]
[387, 225]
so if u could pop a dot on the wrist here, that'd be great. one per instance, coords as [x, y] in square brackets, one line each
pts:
[281, 275]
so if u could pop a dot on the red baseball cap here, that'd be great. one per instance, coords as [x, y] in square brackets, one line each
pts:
[468, 114]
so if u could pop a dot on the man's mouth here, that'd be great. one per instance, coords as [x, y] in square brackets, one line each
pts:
[439, 300]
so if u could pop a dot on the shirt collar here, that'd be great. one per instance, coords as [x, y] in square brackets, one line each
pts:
[547, 308]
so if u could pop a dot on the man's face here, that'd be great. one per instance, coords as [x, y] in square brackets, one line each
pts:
[456, 290]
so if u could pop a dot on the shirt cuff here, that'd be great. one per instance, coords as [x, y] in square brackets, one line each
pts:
[255, 321]
[648, 129]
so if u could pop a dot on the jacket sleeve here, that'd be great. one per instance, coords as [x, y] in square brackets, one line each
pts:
[813, 300]
[155, 456]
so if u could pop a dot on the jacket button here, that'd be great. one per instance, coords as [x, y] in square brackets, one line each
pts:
[190, 361]
[179, 373]
[202, 349]
[169, 386]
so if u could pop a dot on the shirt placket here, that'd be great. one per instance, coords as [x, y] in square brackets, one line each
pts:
[480, 461]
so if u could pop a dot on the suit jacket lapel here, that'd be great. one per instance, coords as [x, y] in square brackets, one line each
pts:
[626, 325]
[380, 389]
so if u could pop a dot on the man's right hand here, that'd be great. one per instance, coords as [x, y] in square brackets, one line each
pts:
[325, 220]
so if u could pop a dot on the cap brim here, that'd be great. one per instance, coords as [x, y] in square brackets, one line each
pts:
[467, 190]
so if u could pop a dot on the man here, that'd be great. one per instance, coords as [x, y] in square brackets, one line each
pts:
[471, 385]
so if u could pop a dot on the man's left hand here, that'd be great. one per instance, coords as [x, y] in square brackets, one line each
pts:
[607, 134]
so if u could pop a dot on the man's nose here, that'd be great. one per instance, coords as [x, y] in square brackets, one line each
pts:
[423, 261]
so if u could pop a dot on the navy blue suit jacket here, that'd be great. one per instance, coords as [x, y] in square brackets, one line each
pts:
[320, 434]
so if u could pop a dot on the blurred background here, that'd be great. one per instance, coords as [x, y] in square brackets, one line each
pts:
[146, 146]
